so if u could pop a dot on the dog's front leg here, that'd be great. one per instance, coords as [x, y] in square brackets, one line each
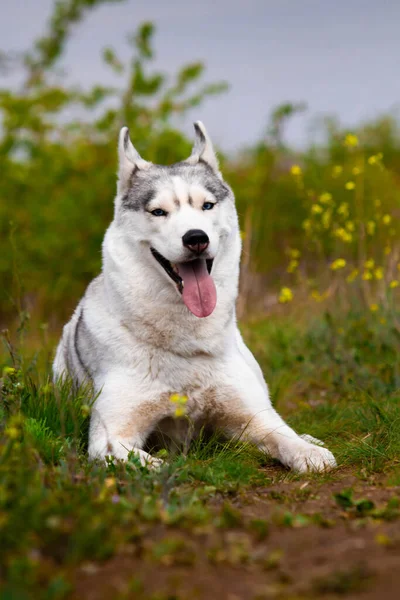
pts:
[244, 410]
[122, 418]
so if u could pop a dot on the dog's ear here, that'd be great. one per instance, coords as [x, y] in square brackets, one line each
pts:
[129, 159]
[203, 149]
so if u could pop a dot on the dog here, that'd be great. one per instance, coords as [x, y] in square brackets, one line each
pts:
[160, 320]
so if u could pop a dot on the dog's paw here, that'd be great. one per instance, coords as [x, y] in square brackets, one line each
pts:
[304, 457]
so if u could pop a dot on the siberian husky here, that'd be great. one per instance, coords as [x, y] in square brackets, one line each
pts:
[160, 319]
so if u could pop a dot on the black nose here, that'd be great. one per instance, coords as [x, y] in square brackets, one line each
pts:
[196, 240]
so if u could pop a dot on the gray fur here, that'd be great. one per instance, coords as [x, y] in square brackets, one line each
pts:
[143, 184]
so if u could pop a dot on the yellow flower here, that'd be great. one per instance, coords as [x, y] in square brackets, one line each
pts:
[316, 209]
[337, 170]
[352, 276]
[386, 219]
[9, 371]
[371, 226]
[12, 433]
[243, 235]
[294, 253]
[178, 399]
[344, 209]
[350, 226]
[375, 158]
[350, 185]
[325, 198]
[367, 275]
[351, 140]
[378, 273]
[373, 307]
[369, 264]
[286, 295]
[339, 263]
[295, 170]
[343, 235]
[394, 284]
[307, 226]
[292, 266]
[356, 171]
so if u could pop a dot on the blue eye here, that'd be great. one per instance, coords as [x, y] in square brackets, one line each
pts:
[208, 206]
[159, 212]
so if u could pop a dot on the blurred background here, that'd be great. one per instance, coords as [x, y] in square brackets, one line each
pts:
[300, 98]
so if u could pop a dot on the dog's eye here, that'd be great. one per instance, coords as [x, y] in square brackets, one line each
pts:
[159, 212]
[208, 206]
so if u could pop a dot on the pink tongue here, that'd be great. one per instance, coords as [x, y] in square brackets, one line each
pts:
[199, 293]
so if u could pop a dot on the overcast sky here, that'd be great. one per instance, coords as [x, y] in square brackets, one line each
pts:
[339, 56]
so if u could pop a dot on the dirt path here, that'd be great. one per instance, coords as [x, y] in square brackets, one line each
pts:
[291, 540]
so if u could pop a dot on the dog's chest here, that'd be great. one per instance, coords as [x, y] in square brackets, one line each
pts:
[190, 376]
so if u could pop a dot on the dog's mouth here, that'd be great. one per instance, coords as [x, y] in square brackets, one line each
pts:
[193, 280]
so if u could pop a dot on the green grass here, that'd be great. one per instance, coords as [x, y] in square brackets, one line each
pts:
[336, 381]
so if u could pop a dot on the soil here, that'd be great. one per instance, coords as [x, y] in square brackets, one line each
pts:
[342, 555]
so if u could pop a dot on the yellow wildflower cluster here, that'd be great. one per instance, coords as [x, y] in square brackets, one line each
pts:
[343, 235]
[295, 170]
[316, 209]
[286, 295]
[337, 264]
[371, 271]
[180, 401]
[351, 140]
[325, 198]
[294, 255]
[361, 220]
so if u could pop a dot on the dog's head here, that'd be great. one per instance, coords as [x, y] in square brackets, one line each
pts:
[178, 215]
